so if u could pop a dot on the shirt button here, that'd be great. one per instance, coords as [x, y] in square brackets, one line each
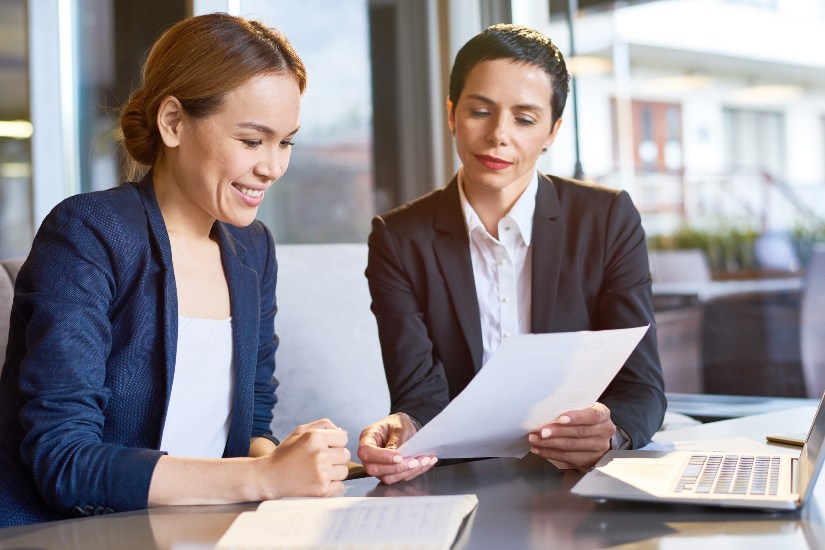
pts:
[504, 300]
[505, 335]
[507, 228]
[502, 262]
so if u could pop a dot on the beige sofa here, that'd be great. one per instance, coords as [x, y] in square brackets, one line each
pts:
[328, 362]
[329, 359]
[8, 273]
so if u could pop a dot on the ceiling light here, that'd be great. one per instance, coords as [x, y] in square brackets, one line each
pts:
[15, 170]
[758, 95]
[17, 129]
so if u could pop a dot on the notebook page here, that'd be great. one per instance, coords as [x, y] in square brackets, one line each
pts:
[427, 522]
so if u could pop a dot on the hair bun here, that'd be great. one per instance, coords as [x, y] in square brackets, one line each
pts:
[139, 139]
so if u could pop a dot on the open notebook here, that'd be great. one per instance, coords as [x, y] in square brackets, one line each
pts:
[753, 480]
[385, 523]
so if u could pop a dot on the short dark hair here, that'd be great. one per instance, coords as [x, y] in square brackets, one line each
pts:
[522, 45]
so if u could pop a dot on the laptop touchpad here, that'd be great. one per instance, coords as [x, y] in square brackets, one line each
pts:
[650, 475]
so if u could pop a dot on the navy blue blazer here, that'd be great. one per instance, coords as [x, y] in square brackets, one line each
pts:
[590, 272]
[91, 354]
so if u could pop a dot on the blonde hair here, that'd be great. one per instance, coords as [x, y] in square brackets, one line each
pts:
[198, 61]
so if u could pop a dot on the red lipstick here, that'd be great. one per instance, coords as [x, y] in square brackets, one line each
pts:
[493, 163]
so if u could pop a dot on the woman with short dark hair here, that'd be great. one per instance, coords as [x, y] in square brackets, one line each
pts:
[503, 250]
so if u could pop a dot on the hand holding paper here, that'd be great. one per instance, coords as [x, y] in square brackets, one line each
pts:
[577, 439]
[378, 450]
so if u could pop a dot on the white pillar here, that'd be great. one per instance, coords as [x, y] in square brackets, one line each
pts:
[53, 96]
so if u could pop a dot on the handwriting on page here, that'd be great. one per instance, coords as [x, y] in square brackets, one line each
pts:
[351, 522]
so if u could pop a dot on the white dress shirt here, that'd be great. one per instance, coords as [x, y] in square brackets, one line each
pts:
[502, 270]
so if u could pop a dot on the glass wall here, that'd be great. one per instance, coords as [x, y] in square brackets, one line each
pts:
[718, 140]
[697, 122]
[327, 193]
[15, 132]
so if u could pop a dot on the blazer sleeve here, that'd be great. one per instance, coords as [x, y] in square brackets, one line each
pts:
[265, 381]
[636, 396]
[416, 379]
[65, 292]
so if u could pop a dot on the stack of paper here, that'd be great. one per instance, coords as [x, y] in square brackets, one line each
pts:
[426, 522]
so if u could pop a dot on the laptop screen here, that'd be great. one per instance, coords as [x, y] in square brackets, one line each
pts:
[812, 456]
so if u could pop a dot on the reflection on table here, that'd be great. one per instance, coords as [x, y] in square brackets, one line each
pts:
[522, 504]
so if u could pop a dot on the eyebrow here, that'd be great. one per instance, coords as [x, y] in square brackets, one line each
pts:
[520, 106]
[263, 128]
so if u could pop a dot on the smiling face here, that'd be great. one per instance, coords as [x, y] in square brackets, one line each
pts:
[501, 123]
[220, 167]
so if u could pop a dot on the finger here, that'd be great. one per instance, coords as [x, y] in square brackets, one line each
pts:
[605, 430]
[339, 472]
[594, 414]
[380, 470]
[376, 455]
[406, 475]
[338, 455]
[331, 438]
[322, 423]
[574, 444]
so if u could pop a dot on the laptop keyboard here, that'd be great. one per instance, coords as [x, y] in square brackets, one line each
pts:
[730, 475]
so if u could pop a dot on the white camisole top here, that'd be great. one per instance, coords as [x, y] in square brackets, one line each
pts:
[200, 407]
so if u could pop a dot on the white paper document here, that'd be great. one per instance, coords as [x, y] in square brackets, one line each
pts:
[527, 383]
[386, 523]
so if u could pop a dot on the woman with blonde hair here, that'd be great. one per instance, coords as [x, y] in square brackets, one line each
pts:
[140, 360]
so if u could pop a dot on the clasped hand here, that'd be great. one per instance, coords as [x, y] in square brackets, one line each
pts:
[311, 461]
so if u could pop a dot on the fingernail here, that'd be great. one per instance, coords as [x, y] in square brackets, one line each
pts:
[545, 432]
[434, 460]
[398, 459]
[413, 464]
[564, 420]
[425, 461]
[534, 450]
[532, 438]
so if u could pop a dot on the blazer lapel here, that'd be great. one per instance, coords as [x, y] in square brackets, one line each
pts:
[548, 241]
[452, 251]
[157, 228]
[244, 298]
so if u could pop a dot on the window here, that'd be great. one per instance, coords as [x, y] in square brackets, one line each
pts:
[327, 193]
[755, 141]
[15, 132]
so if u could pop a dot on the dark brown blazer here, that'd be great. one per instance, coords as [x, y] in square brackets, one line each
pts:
[590, 272]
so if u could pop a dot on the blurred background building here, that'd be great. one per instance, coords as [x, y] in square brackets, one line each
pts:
[710, 113]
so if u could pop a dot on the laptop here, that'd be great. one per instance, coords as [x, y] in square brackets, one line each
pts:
[770, 481]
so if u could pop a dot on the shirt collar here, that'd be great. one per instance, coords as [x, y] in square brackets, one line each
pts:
[521, 213]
